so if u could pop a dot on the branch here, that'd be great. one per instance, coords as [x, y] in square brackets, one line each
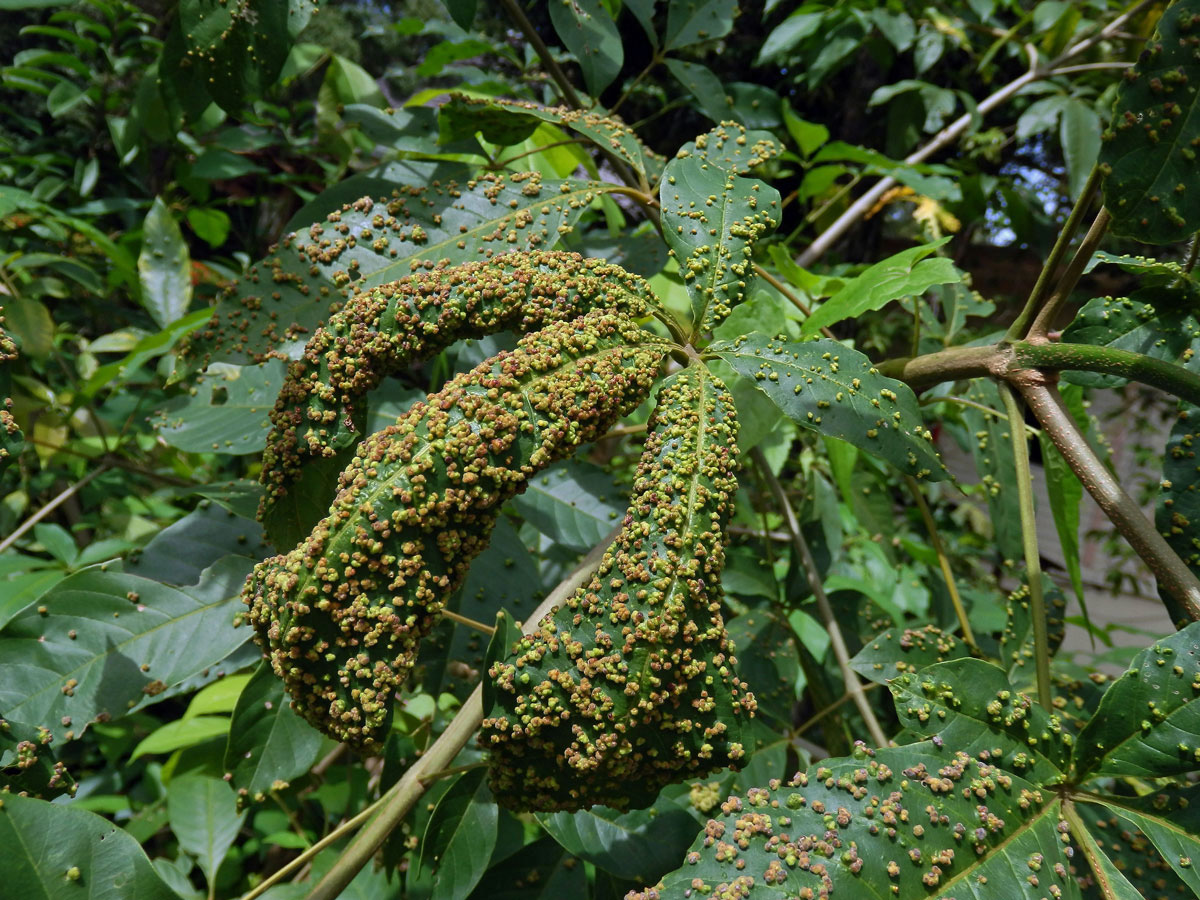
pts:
[1065, 236]
[1173, 575]
[1048, 313]
[952, 132]
[62, 498]
[836, 641]
[396, 804]
[1166, 376]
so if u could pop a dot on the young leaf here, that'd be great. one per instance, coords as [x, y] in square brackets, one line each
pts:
[992, 450]
[1148, 158]
[103, 643]
[1080, 142]
[712, 217]
[164, 266]
[180, 734]
[1147, 722]
[460, 837]
[908, 822]
[1065, 493]
[203, 814]
[906, 274]
[268, 743]
[56, 851]
[831, 389]
[589, 32]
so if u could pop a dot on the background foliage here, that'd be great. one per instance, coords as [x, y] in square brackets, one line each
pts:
[182, 201]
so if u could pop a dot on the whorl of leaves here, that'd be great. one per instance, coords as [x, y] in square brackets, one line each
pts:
[630, 685]
[319, 412]
[341, 614]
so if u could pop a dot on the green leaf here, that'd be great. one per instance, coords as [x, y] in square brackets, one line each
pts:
[506, 636]
[460, 837]
[235, 52]
[269, 744]
[210, 225]
[462, 12]
[712, 217]
[181, 552]
[284, 297]
[897, 651]
[693, 21]
[55, 851]
[1170, 818]
[505, 576]
[991, 447]
[910, 822]
[809, 136]
[589, 32]
[1159, 321]
[970, 705]
[831, 389]
[227, 411]
[574, 503]
[164, 266]
[509, 122]
[182, 733]
[704, 86]
[109, 644]
[1017, 642]
[1177, 506]
[219, 697]
[906, 274]
[1147, 722]
[789, 33]
[203, 814]
[640, 845]
[28, 765]
[1147, 157]
[1081, 143]
[539, 871]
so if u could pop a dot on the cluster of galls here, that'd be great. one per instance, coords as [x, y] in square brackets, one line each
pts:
[319, 413]
[629, 686]
[11, 439]
[342, 613]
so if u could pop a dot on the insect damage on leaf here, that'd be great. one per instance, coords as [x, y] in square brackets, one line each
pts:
[319, 413]
[630, 685]
[341, 614]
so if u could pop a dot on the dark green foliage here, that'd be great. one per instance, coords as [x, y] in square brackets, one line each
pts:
[830, 388]
[1149, 156]
[318, 417]
[292, 292]
[630, 684]
[341, 614]
[909, 821]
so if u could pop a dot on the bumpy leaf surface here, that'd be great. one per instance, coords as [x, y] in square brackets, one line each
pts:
[368, 242]
[629, 685]
[319, 413]
[12, 441]
[56, 851]
[511, 121]
[907, 822]
[1148, 723]
[896, 652]
[341, 614]
[831, 389]
[1148, 157]
[712, 215]
[102, 644]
